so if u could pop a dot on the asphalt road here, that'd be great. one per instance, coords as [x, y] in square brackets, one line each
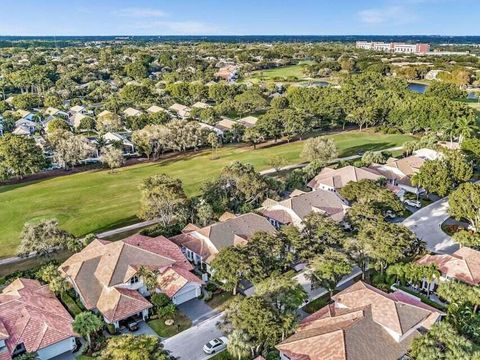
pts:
[188, 344]
[426, 224]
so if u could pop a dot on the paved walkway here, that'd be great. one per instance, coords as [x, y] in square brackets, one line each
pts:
[426, 224]
[139, 225]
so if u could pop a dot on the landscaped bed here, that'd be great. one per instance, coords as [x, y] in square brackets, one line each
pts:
[220, 301]
[181, 322]
[98, 200]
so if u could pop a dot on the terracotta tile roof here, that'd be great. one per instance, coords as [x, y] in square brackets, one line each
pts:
[116, 303]
[358, 332]
[100, 271]
[319, 200]
[225, 124]
[463, 265]
[279, 215]
[388, 310]
[31, 314]
[338, 178]
[233, 230]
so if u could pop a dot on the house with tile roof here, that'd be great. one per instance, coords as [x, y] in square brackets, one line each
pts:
[463, 265]
[201, 245]
[334, 179]
[106, 277]
[32, 319]
[225, 124]
[131, 112]
[127, 146]
[400, 171]
[248, 121]
[293, 210]
[154, 109]
[363, 322]
[182, 111]
[200, 105]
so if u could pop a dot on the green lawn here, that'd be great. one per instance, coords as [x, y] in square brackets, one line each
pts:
[280, 72]
[97, 200]
[182, 322]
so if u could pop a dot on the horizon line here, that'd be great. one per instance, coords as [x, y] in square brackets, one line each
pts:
[238, 35]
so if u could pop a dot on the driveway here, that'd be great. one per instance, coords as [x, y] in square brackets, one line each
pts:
[426, 224]
[143, 329]
[197, 310]
[189, 343]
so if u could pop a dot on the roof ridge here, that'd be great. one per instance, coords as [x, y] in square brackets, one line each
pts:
[151, 252]
[115, 264]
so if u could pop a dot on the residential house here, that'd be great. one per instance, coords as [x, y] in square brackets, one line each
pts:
[292, 211]
[201, 245]
[208, 127]
[248, 121]
[427, 154]
[432, 74]
[334, 179]
[105, 113]
[400, 171]
[362, 323]
[76, 119]
[128, 148]
[106, 276]
[154, 109]
[225, 124]
[181, 110]
[463, 265]
[77, 109]
[33, 320]
[200, 105]
[54, 112]
[25, 115]
[25, 127]
[131, 112]
[228, 73]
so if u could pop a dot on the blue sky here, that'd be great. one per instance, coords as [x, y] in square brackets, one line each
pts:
[239, 17]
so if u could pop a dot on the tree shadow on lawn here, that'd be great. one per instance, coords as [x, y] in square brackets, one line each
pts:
[357, 150]
[117, 224]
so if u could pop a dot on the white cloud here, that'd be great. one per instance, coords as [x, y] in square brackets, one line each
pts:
[140, 13]
[391, 14]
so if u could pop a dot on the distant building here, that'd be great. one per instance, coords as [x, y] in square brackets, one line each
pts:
[394, 47]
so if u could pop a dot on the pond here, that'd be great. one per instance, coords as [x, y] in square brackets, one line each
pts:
[418, 88]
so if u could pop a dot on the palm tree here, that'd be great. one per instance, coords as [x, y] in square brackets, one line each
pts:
[429, 273]
[466, 127]
[86, 324]
[239, 345]
[149, 278]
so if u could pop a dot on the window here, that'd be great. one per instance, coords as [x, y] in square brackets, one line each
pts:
[134, 280]
[19, 349]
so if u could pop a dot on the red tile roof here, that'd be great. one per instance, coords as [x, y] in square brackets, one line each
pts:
[463, 265]
[100, 271]
[31, 314]
[360, 325]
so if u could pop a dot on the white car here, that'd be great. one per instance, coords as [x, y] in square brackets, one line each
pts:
[413, 203]
[215, 345]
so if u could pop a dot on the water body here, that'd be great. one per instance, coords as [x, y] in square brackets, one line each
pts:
[418, 88]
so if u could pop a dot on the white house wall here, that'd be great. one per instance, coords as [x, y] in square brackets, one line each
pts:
[56, 349]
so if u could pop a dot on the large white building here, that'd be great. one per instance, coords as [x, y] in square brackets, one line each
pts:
[394, 47]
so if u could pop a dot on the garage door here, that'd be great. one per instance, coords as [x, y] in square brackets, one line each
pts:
[185, 295]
